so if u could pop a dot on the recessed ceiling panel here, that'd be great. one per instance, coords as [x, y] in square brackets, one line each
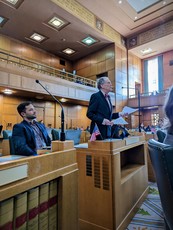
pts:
[141, 5]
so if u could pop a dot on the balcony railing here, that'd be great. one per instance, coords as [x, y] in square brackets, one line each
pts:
[24, 63]
[149, 99]
[154, 93]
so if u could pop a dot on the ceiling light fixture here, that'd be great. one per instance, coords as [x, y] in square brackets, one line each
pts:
[13, 3]
[146, 51]
[69, 51]
[89, 41]
[8, 91]
[56, 22]
[63, 100]
[120, 2]
[37, 37]
[3, 20]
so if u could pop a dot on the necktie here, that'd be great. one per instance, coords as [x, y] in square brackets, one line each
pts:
[107, 96]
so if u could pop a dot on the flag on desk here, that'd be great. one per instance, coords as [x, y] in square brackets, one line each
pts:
[95, 133]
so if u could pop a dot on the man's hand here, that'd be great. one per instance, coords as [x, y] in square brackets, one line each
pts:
[123, 114]
[107, 122]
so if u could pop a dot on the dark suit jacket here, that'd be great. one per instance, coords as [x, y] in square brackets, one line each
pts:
[23, 138]
[98, 110]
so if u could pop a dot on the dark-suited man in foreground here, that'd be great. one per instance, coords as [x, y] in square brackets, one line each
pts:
[30, 135]
[100, 109]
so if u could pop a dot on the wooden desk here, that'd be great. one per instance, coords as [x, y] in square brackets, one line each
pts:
[37, 170]
[113, 181]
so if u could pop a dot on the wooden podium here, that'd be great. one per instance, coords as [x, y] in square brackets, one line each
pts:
[20, 176]
[113, 181]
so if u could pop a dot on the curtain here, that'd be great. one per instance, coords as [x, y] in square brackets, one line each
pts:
[145, 76]
[160, 72]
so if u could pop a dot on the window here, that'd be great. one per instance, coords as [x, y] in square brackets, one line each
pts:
[154, 119]
[153, 74]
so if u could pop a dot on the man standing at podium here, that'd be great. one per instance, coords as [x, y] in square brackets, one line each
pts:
[100, 109]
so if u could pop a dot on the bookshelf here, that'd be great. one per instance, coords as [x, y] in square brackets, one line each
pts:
[113, 181]
[46, 196]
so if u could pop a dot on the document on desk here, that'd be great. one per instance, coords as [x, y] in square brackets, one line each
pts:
[120, 121]
[128, 110]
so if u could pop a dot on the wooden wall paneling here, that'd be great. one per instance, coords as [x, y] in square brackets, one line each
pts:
[93, 77]
[49, 117]
[118, 64]
[40, 113]
[4, 43]
[110, 52]
[93, 70]
[87, 71]
[54, 62]
[1, 108]
[28, 52]
[82, 118]
[110, 63]
[8, 120]
[58, 115]
[101, 67]
[124, 66]
[111, 74]
[93, 58]
[101, 56]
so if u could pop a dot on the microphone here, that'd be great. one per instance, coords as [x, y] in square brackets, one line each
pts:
[62, 134]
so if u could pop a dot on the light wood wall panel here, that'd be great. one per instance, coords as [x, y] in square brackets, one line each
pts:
[26, 51]
[96, 63]
[121, 77]
[101, 67]
[49, 112]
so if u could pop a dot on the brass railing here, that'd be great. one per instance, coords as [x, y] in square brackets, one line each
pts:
[24, 63]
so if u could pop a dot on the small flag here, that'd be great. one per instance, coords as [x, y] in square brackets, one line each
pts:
[95, 133]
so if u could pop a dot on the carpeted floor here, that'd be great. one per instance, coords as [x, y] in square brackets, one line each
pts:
[149, 216]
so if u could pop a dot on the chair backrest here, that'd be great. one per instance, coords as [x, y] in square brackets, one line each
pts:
[12, 148]
[70, 134]
[160, 135]
[55, 134]
[49, 131]
[1, 127]
[73, 135]
[162, 160]
[6, 134]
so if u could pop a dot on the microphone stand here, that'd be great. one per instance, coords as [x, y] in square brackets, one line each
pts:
[62, 134]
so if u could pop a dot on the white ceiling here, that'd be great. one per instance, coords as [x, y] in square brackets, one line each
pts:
[121, 17]
[32, 14]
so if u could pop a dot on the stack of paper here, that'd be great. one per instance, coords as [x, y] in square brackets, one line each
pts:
[120, 121]
[128, 110]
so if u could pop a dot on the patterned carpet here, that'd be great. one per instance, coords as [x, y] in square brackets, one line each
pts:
[149, 216]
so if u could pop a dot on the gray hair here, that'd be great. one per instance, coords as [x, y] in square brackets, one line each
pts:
[101, 81]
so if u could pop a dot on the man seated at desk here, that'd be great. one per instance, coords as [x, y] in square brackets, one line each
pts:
[30, 135]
